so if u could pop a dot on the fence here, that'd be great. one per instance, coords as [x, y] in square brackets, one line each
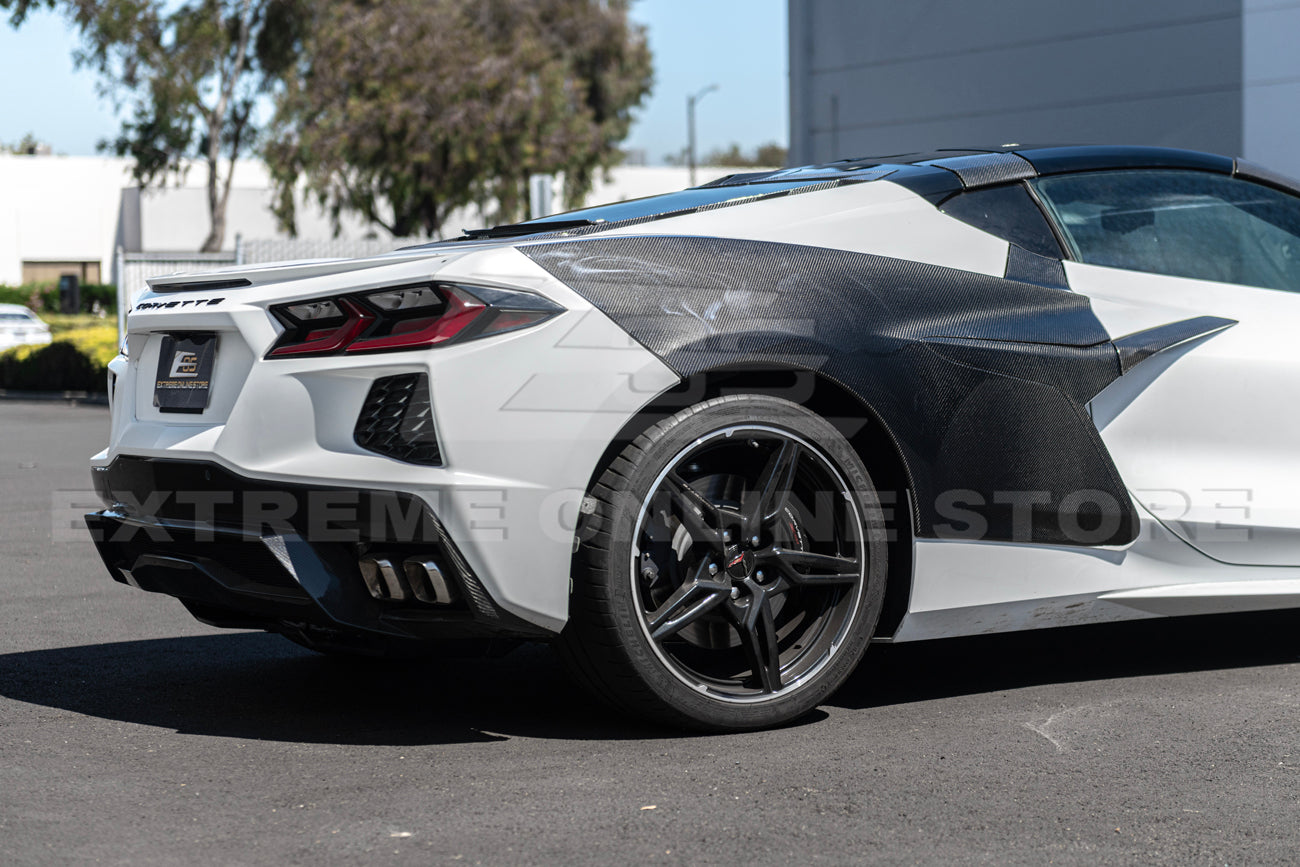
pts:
[276, 250]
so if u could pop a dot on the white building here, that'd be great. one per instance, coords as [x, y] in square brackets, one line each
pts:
[70, 215]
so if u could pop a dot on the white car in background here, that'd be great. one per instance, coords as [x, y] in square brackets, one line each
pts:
[19, 326]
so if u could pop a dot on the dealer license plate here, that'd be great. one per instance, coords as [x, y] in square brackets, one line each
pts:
[185, 365]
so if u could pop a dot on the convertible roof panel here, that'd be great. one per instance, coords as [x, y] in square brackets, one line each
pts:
[1087, 158]
[982, 167]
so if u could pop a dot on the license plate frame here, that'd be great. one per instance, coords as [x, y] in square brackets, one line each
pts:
[186, 360]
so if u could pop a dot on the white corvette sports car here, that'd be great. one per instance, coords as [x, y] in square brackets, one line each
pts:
[716, 442]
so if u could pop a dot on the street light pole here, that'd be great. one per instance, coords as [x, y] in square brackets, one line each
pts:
[690, 126]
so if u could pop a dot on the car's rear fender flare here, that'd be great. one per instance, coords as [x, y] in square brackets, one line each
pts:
[869, 436]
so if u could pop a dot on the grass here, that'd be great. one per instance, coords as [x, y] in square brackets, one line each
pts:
[61, 323]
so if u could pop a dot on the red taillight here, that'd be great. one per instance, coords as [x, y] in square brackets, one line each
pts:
[337, 332]
[460, 310]
[406, 317]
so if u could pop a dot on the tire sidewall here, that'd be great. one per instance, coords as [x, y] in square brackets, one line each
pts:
[664, 443]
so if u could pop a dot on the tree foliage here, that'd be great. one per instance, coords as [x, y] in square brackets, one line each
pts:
[28, 145]
[187, 75]
[771, 155]
[403, 110]
[19, 9]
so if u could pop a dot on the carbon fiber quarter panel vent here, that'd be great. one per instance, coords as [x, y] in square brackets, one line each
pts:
[1029, 267]
[397, 420]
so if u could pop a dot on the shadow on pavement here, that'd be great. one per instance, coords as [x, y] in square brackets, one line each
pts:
[261, 687]
[927, 670]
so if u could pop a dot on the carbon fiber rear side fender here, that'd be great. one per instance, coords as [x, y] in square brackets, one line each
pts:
[981, 381]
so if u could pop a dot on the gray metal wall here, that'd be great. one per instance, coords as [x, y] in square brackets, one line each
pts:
[872, 77]
[1271, 87]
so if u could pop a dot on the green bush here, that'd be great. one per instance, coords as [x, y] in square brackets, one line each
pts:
[66, 323]
[97, 342]
[57, 366]
[48, 294]
[44, 297]
[77, 360]
[28, 295]
[104, 293]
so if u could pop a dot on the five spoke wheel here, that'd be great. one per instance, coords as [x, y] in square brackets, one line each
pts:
[748, 557]
[731, 567]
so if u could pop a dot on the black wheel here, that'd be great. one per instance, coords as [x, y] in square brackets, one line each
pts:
[731, 569]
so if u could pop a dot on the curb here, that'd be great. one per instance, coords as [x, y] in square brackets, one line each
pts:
[72, 398]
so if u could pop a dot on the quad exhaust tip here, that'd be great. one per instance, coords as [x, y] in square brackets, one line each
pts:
[418, 578]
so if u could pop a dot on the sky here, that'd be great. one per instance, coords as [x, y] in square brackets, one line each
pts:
[739, 45]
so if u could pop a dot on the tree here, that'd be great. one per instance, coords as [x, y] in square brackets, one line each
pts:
[680, 158]
[403, 110]
[771, 155]
[188, 74]
[20, 9]
[28, 145]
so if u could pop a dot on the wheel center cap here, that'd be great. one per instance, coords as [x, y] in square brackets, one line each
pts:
[740, 563]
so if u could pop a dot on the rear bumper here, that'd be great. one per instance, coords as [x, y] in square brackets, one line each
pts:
[244, 553]
[522, 418]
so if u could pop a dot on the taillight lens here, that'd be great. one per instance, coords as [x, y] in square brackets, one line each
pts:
[319, 327]
[427, 324]
[405, 317]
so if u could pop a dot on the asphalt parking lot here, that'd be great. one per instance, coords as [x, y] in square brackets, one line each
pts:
[130, 733]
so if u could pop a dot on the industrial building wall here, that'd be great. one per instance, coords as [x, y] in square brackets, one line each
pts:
[57, 212]
[873, 77]
[1271, 86]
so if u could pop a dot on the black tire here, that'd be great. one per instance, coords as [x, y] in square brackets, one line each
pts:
[676, 617]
